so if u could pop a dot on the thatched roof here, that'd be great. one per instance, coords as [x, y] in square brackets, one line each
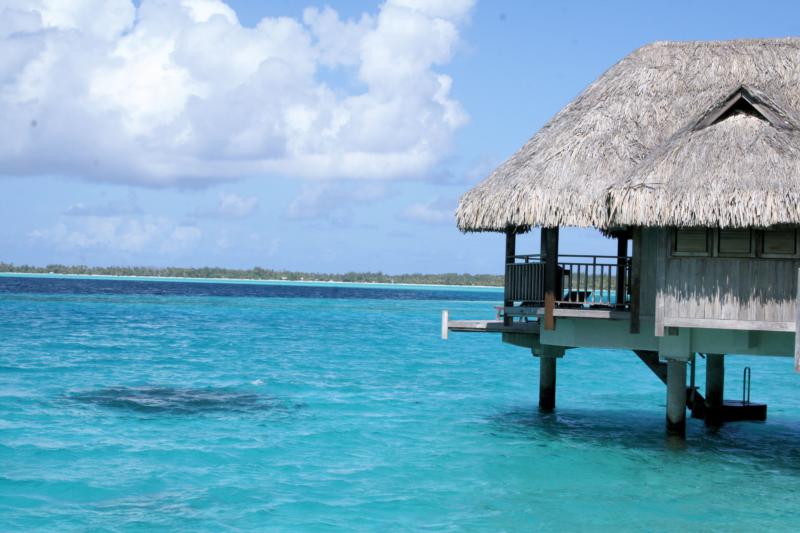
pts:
[736, 165]
[630, 125]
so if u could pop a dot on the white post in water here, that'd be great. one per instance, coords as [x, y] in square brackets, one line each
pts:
[445, 319]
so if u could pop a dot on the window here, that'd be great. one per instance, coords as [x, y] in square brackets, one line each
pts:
[735, 242]
[691, 242]
[779, 243]
[776, 243]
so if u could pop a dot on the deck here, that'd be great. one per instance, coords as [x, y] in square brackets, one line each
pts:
[587, 286]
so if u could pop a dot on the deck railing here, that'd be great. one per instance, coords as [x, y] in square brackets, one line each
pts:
[581, 281]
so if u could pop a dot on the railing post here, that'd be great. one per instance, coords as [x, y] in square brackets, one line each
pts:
[622, 253]
[511, 251]
[549, 248]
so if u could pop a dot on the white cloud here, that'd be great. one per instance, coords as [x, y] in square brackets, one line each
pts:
[333, 200]
[229, 205]
[112, 208]
[235, 206]
[438, 211]
[118, 234]
[181, 237]
[179, 92]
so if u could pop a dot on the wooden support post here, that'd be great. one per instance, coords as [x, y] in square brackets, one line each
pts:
[445, 321]
[550, 251]
[636, 279]
[622, 253]
[511, 251]
[676, 397]
[547, 383]
[715, 387]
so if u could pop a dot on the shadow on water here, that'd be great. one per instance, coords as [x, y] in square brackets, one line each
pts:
[632, 429]
[177, 401]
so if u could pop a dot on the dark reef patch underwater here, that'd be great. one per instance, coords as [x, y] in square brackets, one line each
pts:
[173, 400]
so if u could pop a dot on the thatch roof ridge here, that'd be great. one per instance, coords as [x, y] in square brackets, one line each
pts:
[561, 175]
[788, 39]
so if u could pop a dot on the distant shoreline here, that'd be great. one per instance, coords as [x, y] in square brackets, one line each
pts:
[242, 280]
[258, 274]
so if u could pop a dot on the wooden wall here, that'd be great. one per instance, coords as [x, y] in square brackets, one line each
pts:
[723, 293]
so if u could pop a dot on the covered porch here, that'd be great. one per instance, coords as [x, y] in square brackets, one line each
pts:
[550, 284]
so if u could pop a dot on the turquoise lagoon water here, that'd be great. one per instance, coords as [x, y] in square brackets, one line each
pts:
[140, 405]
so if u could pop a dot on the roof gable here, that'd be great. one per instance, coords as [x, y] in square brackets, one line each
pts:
[747, 101]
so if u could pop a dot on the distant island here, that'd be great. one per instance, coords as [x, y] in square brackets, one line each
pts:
[258, 273]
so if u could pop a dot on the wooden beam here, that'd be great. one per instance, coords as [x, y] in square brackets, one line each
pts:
[511, 251]
[662, 255]
[549, 249]
[602, 313]
[636, 279]
[622, 252]
[741, 325]
[650, 358]
[492, 326]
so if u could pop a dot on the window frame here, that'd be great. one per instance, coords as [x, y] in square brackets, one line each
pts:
[674, 245]
[765, 255]
[756, 245]
[750, 253]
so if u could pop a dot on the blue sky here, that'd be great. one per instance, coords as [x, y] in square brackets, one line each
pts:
[119, 152]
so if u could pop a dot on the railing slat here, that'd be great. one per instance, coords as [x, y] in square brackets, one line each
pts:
[602, 280]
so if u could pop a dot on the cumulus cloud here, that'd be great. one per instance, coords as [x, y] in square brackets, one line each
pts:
[179, 92]
[437, 211]
[118, 234]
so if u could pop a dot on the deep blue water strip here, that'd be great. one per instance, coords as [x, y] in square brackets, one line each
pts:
[111, 286]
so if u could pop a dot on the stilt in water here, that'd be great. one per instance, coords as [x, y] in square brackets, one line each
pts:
[715, 386]
[547, 383]
[676, 397]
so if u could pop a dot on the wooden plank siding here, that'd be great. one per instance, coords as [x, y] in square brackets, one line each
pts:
[751, 293]
[647, 291]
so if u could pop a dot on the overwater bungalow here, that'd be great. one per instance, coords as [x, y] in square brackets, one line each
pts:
[690, 151]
